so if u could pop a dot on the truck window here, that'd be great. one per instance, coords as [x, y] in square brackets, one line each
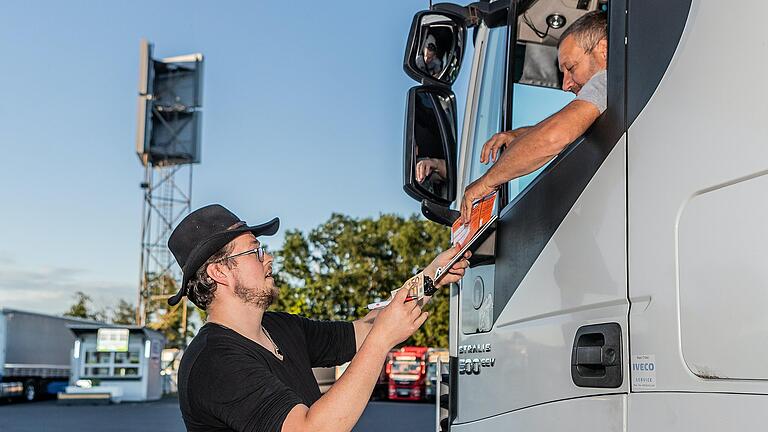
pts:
[490, 96]
[532, 104]
[406, 367]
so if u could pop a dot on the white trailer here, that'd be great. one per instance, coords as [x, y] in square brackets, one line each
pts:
[35, 351]
[625, 285]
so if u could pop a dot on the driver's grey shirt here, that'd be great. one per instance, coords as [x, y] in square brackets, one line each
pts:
[595, 91]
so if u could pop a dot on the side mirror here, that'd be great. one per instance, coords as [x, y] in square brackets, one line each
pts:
[429, 153]
[435, 47]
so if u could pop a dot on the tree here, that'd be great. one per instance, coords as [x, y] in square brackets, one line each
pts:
[124, 313]
[169, 323]
[168, 320]
[82, 308]
[346, 263]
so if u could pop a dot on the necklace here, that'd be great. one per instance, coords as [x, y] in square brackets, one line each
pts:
[278, 353]
[276, 349]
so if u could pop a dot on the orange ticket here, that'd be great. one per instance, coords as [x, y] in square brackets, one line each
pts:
[482, 211]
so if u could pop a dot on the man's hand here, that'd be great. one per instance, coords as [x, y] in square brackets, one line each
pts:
[476, 190]
[398, 321]
[339, 409]
[498, 141]
[455, 273]
[364, 325]
[426, 166]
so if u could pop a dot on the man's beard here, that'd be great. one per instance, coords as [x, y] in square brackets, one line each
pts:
[594, 69]
[260, 298]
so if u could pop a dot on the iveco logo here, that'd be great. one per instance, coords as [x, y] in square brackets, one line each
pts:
[477, 348]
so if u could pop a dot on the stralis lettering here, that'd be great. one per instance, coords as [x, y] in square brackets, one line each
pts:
[477, 348]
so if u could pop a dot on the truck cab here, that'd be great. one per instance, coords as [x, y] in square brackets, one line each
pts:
[624, 283]
[407, 373]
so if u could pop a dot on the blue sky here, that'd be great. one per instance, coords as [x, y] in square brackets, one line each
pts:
[303, 116]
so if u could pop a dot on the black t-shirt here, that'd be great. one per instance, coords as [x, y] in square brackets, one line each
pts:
[228, 382]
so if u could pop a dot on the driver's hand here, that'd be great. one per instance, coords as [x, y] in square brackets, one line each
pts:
[497, 142]
[476, 190]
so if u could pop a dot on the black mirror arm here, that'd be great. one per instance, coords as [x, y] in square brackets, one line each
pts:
[485, 11]
[466, 12]
[494, 14]
[438, 213]
[474, 12]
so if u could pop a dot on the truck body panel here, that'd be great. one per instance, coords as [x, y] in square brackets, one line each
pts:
[668, 412]
[35, 352]
[579, 279]
[598, 413]
[696, 178]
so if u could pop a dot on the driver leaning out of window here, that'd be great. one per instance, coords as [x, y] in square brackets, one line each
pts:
[583, 58]
[428, 61]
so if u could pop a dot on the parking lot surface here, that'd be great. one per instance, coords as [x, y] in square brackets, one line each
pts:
[164, 416]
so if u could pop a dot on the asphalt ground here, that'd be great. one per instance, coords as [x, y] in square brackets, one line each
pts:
[164, 416]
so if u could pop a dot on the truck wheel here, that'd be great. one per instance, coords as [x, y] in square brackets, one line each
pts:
[30, 391]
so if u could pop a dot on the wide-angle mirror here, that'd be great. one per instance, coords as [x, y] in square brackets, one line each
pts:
[435, 47]
[430, 145]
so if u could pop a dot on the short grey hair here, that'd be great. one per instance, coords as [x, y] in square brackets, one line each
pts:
[588, 30]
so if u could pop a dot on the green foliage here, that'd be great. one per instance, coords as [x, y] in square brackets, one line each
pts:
[346, 263]
[124, 313]
[169, 320]
[169, 323]
[82, 308]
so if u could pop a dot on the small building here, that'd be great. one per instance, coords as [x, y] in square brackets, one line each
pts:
[123, 362]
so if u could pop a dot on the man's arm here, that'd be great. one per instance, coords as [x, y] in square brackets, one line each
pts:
[531, 150]
[492, 147]
[339, 409]
[364, 325]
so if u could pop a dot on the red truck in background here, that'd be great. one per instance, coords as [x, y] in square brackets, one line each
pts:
[407, 371]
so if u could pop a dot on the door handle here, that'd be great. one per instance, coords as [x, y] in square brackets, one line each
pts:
[596, 356]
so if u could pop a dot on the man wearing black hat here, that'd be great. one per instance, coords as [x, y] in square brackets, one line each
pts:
[250, 370]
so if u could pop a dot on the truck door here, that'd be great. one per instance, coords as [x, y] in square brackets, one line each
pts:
[541, 330]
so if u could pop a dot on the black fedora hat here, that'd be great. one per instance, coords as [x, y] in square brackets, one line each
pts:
[204, 232]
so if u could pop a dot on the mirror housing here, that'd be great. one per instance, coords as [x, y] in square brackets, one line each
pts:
[435, 47]
[438, 213]
[430, 145]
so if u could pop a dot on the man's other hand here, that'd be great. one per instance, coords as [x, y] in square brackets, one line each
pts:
[491, 148]
[398, 321]
[476, 190]
[455, 273]
[427, 166]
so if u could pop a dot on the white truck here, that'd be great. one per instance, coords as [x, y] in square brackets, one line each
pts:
[35, 353]
[625, 285]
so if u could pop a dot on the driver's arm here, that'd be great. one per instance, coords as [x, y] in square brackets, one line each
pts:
[542, 142]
